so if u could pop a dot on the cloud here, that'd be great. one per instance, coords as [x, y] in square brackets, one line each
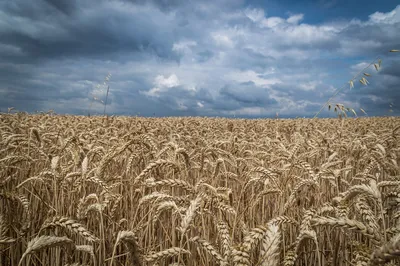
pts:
[253, 77]
[223, 40]
[163, 85]
[247, 93]
[254, 14]
[65, 7]
[391, 17]
[105, 30]
[191, 57]
[295, 19]
[170, 82]
[183, 46]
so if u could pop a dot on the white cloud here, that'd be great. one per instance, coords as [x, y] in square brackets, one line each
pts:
[184, 46]
[307, 33]
[359, 66]
[295, 19]
[272, 22]
[222, 40]
[171, 81]
[163, 84]
[386, 18]
[353, 47]
[255, 14]
[310, 86]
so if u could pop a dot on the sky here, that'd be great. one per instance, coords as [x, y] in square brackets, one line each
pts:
[225, 58]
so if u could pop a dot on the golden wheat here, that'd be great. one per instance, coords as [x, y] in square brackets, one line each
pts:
[198, 191]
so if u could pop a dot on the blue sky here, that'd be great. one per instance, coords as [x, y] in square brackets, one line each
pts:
[198, 58]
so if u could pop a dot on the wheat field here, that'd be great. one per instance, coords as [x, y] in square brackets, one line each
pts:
[78, 190]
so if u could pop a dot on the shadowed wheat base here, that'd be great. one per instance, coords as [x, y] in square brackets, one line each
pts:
[199, 191]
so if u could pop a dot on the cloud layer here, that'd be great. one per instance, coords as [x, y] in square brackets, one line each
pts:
[198, 58]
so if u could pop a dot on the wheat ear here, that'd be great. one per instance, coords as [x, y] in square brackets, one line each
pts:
[167, 253]
[42, 242]
[130, 240]
[72, 226]
[270, 247]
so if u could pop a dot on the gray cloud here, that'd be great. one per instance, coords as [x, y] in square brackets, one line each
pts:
[165, 5]
[64, 6]
[247, 94]
[101, 33]
[188, 58]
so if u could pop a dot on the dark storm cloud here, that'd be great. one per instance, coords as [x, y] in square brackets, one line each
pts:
[100, 33]
[14, 73]
[66, 7]
[27, 9]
